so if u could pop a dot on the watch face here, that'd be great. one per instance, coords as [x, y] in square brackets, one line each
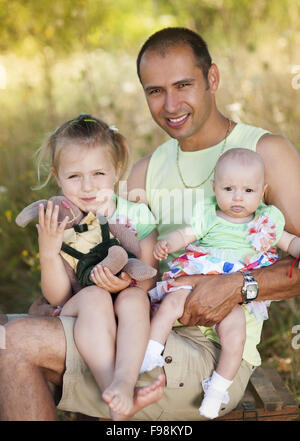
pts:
[252, 291]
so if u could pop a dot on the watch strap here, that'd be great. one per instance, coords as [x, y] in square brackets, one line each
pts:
[248, 278]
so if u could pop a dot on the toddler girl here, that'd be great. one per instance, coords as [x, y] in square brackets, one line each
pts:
[112, 326]
[236, 231]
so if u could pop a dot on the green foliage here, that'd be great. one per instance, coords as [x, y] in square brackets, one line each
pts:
[27, 26]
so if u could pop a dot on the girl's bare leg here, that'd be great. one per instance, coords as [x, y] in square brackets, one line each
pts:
[132, 310]
[94, 331]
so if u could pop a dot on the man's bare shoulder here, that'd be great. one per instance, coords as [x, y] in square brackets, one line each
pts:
[282, 174]
[279, 155]
[273, 144]
[137, 177]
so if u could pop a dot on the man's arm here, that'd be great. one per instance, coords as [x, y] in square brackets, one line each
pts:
[282, 174]
[214, 296]
[136, 182]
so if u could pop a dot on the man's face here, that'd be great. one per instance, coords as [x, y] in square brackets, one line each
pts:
[177, 93]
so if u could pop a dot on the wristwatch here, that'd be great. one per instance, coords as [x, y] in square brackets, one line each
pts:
[250, 288]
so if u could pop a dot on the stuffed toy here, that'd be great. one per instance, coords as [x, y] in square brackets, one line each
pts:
[118, 253]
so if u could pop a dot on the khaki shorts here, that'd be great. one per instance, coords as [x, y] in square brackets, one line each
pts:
[189, 358]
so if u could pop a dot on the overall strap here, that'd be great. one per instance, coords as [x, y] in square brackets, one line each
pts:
[104, 228]
[71, 251]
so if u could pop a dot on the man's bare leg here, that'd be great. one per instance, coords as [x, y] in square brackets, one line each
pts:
[3, 319]
[34, 354]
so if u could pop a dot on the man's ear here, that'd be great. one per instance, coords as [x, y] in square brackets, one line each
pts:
[54, 173]
[264, 192]
[213, 78]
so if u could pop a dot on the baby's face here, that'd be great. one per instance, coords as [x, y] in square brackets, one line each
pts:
[239, 189]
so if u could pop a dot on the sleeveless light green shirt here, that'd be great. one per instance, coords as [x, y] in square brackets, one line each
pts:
[172, 204]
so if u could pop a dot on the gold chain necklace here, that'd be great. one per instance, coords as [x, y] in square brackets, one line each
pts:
[222, 151]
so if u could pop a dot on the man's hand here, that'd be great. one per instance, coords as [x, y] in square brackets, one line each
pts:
[104, 278]
[41, 307]
[212, 298]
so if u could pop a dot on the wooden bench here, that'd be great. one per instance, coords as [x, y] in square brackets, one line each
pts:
[266, 399]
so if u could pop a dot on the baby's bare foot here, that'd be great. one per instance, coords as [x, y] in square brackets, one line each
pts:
[119, 397]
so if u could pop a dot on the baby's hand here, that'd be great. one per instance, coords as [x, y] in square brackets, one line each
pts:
[161, 250]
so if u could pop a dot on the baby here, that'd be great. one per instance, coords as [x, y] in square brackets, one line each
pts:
[236, 231]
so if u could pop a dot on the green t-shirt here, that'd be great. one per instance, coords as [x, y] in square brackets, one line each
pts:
[215, 232]
[138, 217]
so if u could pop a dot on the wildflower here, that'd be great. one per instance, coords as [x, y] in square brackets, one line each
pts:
[8, 214]
[24, 253]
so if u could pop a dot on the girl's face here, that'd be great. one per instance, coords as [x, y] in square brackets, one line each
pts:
[239, 190]
[86, 175]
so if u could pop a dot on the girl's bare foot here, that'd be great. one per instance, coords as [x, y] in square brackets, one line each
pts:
[143, 396]
[119, 397]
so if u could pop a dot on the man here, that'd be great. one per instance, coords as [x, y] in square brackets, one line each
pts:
[180, 83]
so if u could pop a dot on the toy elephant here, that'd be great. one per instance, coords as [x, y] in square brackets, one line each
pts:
[120, 253]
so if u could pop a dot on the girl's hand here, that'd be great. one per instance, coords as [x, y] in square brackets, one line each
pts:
[50, 232]
[104, 278]
[161, 250]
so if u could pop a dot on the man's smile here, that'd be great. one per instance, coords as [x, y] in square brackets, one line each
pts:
[177, 122]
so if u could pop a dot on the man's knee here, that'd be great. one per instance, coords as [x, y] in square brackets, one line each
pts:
[38, 340]
[3, 319]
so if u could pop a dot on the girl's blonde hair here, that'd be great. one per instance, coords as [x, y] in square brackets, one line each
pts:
[89, 131]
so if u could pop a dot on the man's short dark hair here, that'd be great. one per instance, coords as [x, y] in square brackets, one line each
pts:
[166, 38]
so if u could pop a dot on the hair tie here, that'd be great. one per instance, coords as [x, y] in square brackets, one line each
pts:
[113, 128]
[293, 264]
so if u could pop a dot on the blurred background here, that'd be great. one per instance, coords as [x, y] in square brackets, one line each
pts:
[61, 58]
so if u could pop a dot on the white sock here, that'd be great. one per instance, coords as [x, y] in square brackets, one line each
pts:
[215, 393]
[153, 356]
[219, 382]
